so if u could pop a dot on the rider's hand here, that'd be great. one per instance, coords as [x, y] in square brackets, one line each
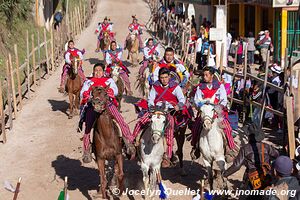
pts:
[177, 108]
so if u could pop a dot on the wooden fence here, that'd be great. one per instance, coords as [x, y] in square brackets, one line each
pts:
[44, 56]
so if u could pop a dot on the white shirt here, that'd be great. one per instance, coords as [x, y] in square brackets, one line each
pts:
[109, 28]
[67, 56]
[177, 92]
[88, 83]
[199, 44]
[220, 94]
[147, 49]
[109, 58]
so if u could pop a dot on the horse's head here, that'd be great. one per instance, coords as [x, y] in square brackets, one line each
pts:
[158, 123]
[99, 98]
[76, 62]
[115, 73]
[208, 113]
[133, 36]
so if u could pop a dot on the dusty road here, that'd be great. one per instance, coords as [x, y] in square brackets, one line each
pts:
[43, 146]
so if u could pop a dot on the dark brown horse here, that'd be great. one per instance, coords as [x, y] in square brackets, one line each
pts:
[106, 140]
[73, 86]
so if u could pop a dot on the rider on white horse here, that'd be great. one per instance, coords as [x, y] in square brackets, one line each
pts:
[103, 27]
[113, 58]
[150, 50]
[170, 93]
[71, 53]
[170, 62]
[210, 89]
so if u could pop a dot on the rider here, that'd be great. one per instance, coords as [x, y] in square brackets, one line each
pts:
[135, 27]
[71, 54]
[103, 27]
[113, 58]
[170, 62]
[150, 51]
[168, 91]
[210, 88]
[89, 115]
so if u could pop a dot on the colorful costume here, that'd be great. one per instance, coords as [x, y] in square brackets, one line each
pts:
[105, 27]
[172, 95]
[114, 58]
[89, 115]
[149, 53]
[175, 66]
[136, 28]
[69, 55]
[207, 91]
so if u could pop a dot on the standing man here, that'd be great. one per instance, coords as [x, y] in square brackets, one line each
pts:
[265, 43]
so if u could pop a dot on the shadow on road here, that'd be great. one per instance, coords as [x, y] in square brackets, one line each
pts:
[59, 105]
[93, 61]
[79, 177]
[131, 99]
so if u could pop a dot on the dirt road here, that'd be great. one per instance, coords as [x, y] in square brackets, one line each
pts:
[43, 146]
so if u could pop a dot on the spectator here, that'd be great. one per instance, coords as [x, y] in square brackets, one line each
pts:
[228, 43]
[194, 25]
[251, 48]
[250, 155]
[265, 44]
[283, 168]
[240, 51]
[58, 17]
[256, 95]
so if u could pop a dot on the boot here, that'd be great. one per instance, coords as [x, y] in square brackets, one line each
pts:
[61, 89]
[195, 153]
[166, 162]
[130, 149]
[87, 155]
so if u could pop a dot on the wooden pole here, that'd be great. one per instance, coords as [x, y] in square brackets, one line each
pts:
[18, 76]
[3, 131]
[221, 58]
[9, 98]
[39, 58]
[233, 76]
[52, 50]
[66, 188]
[11, 72]
[245, 81]
[290, 121]
[28, 65]
[33, 60]
[84, 15]
[264, 89]
[46, 50]
[17, 189]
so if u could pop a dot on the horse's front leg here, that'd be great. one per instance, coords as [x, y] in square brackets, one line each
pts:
[209, 180]
[71, 98]
[145, 170]
[119, 172]
[219, 166]
[103, 181]
[180, 137]
[77, 103]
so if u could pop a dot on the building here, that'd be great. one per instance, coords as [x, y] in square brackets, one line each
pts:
[244, 16]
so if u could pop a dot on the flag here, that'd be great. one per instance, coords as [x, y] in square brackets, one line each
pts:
[162, 189]
[62, 196]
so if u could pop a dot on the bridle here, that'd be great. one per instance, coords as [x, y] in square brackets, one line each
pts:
[160, 133]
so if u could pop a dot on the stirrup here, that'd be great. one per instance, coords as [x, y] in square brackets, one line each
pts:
[166, 162]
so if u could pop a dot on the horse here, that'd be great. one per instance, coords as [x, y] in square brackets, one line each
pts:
[73, 87]
[143, 83]
[211, 144]
[151, 149]
[106, 140]
[105, 42]
[120, 84]
[133, 45]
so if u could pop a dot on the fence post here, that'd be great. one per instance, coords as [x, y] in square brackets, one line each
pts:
[46, 50]
[3, 131]
[233, 76]
[84, 15]
[264, 89]
[33, 60]
[18, 76]
[28, 64]
[39, 57]
[11, 73]
[52, 50]
[9, 99]
[290, 121]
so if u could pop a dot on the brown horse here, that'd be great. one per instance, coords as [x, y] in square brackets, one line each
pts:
[105, 42]
[133, 45]
[106, 140]
[73, 86]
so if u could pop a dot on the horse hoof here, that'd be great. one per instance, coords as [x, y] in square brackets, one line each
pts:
[87, 158]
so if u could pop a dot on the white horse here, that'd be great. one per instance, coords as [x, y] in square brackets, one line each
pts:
[212, 144]
[152, 149]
